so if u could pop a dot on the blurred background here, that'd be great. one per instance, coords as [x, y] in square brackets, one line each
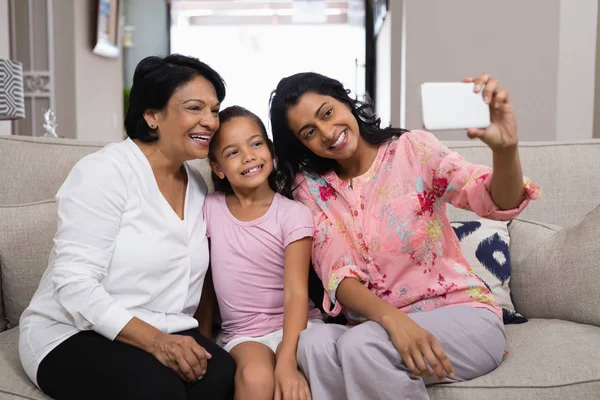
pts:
[79, 56]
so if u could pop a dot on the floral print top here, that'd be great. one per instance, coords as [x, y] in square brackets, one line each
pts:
[388, 227]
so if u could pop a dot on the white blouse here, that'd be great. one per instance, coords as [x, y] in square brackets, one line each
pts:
[120, 252]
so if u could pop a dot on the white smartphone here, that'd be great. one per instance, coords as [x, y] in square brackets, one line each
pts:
[453, 105]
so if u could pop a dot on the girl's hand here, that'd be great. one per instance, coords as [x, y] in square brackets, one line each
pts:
[416, 345]
[182, 354]
[502, 133]
[290, 383]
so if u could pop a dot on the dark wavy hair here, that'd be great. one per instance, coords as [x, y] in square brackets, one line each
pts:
[154, 81]
[226, 115]
[293, 156]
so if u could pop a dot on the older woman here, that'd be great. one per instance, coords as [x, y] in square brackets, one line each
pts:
[113, 317]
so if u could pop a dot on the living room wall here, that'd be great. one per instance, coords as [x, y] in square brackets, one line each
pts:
[87, 88]
[544, 51]
[98, 81]
[150, 20]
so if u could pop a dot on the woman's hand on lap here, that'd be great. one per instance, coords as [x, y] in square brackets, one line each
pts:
[290, 383]
[182, 354]
[416, 345]
[501, 135]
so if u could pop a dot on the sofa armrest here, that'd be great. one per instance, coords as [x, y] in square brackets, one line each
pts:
[558, 278]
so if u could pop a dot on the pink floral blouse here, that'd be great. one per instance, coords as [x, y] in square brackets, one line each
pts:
[388, 227]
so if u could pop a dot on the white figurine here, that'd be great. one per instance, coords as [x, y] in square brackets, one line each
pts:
[50, 123]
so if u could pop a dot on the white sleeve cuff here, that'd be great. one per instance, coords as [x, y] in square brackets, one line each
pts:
[113, 321]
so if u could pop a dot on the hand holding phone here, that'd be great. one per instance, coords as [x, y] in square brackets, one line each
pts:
[453, 105]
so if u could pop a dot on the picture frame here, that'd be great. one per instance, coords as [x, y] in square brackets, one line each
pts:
[106, 16]
[379, 11]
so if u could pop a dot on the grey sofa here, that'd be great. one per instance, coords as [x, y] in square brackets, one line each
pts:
[555, 247]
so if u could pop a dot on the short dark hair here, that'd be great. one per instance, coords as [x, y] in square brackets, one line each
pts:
[292, 154]
[154, 82]
[223, 185]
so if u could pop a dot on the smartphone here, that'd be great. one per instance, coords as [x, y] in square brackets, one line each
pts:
[453, 105]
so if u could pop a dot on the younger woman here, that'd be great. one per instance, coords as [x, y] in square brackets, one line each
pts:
[260, 254]
[384, 247]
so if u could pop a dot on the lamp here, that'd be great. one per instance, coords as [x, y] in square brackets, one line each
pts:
[12, 101]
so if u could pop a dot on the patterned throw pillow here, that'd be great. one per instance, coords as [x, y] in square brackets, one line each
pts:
[485, 245]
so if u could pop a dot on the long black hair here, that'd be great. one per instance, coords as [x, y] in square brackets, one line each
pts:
[290, 152]
[154, 81]
[223, 185]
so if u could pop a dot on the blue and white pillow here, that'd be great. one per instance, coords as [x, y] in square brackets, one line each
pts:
[485, 245]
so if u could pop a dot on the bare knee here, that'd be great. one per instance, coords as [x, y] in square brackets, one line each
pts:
[254, 382]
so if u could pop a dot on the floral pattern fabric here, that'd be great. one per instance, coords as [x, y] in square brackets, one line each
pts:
[388, 227]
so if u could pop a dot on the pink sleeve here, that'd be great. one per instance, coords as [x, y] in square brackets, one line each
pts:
[332, 259]
[298, 224]
[454, 180]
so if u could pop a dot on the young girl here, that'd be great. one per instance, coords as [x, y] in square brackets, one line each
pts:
[260, 255]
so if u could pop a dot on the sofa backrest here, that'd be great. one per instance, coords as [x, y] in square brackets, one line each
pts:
[566, 171]
[32, 169]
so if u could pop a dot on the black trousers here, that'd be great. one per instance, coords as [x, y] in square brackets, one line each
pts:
[89, 366]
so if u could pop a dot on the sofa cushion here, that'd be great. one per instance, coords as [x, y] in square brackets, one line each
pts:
[3, 320]
[547, 359]
[33, 168]
[559, 277]
[526, 235]
[485, 244]
[14, 384]
[26, 234]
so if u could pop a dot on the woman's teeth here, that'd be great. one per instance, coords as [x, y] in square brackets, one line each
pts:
[339, 141]
[200, 138]
[252, 170]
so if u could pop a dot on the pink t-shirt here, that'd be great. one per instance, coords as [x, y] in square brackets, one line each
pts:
[247, 260]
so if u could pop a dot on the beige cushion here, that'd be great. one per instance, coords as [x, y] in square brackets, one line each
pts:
[3, 320]
[203, 167]
[547, 360]
[525, 235]
[32, 169]
[559, 277]
[25, 243]
[14, 384]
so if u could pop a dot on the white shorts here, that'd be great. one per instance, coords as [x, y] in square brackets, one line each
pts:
[271, 340]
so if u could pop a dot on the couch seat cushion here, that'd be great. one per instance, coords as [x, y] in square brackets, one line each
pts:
[26, 233]
[547, 360]
[14, 384]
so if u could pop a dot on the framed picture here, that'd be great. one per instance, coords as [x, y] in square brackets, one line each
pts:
[106, 40]
[380, 9]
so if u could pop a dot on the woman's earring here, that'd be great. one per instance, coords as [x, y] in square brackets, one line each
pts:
[152, 126]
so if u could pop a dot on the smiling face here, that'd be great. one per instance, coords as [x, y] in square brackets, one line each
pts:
[325, 125]
[242, 154]
[188, 121]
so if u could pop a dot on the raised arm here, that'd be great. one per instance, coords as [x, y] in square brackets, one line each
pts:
[447, 176]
